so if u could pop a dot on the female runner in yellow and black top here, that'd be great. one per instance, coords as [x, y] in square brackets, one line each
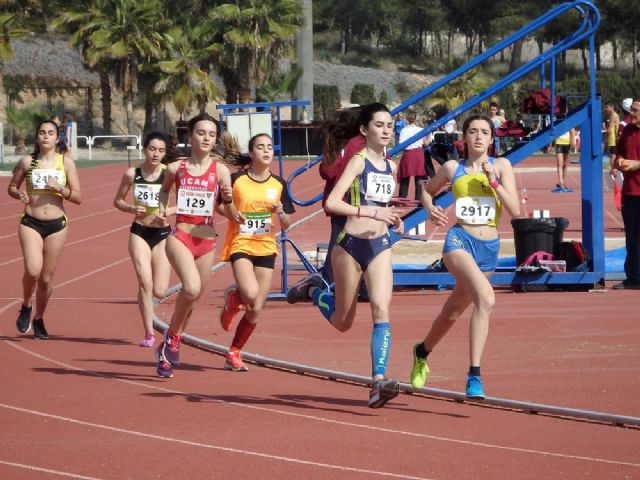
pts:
[50, 178]
[149, 229]
[482, 186]
[258, 198]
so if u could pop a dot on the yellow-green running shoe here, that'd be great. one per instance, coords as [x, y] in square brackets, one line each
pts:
[419, 371]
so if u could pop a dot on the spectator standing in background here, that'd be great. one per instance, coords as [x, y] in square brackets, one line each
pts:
[398, 124]
[628, 160]
[412, 162]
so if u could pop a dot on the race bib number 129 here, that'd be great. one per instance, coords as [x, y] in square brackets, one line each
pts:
[194, 202]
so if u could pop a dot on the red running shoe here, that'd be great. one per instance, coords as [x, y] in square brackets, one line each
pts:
[232, 308]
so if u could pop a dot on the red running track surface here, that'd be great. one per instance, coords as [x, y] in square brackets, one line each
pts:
[87, 403]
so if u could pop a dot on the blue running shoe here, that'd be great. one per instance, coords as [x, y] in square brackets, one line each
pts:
[474, 387]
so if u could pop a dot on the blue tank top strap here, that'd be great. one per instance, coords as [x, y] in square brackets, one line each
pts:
[370, 168]
[460, 170]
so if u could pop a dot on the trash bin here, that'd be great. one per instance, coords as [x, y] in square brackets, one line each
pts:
[537, 234]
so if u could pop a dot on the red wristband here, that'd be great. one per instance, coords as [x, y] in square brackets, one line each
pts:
[494, 184]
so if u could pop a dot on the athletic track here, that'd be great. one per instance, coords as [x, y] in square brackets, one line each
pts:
[87, 404]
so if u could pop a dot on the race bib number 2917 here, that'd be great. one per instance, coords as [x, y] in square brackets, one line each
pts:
[476, 210]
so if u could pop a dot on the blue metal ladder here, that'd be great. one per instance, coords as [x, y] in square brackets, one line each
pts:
[586, 117]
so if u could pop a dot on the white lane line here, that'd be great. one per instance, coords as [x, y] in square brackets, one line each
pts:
[85, 239]
[73, 219]
[210, 446]
[46, 470]
[471, 443]
[87, 299]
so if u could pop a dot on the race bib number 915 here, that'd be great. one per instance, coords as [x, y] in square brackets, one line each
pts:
[256, 223]
[380, 187]
[476, 210]
[40, 177]
[194, 202]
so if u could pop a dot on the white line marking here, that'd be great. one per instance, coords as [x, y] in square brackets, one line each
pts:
[47, 470]
[74, 219]
[326, 420]
[190, 443]
[85, 239]
[88, 299]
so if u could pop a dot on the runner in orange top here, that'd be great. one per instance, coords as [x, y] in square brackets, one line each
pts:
[250, 245]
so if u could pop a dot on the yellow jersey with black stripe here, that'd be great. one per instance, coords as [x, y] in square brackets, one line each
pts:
[255, 200]
[476, 202]
[37, 177]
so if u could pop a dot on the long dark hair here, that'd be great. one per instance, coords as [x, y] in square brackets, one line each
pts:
[336, 131]
[199, 118]
[467, 123]
[232, 154]
[36, 148]
[172, 152]
[368, 111]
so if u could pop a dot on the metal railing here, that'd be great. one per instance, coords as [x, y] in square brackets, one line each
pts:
[589, 24]
[90, 141]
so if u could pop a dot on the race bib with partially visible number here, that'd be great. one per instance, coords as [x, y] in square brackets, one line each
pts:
[195, 202]
[256, 223]
[476, 210]
[380, 187]
[40, 177]
[147, 195]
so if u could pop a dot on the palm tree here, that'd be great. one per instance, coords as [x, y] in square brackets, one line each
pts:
[8, 30]
[279, 84]
[83, 25]
[181, 78]
[21, 120]
[127, 34]
[257, 35]
[459, 90]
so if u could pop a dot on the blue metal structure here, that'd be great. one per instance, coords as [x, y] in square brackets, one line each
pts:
[587, 117]
[228, 109]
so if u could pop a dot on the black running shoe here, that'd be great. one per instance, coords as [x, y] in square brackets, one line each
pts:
[23, 323]
[382, 391]
[39, 331]
[299, 292]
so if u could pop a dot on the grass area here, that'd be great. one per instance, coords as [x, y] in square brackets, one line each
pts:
[7, 167]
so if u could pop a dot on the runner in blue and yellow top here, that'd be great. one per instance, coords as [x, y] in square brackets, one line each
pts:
[363, 248]
[259, 199]
[482, 186]
[50, 178]
[149, 230]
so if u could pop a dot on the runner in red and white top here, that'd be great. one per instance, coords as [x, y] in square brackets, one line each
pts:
[197, 180]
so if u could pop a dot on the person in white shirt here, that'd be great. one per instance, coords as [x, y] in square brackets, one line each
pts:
[412, 161]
